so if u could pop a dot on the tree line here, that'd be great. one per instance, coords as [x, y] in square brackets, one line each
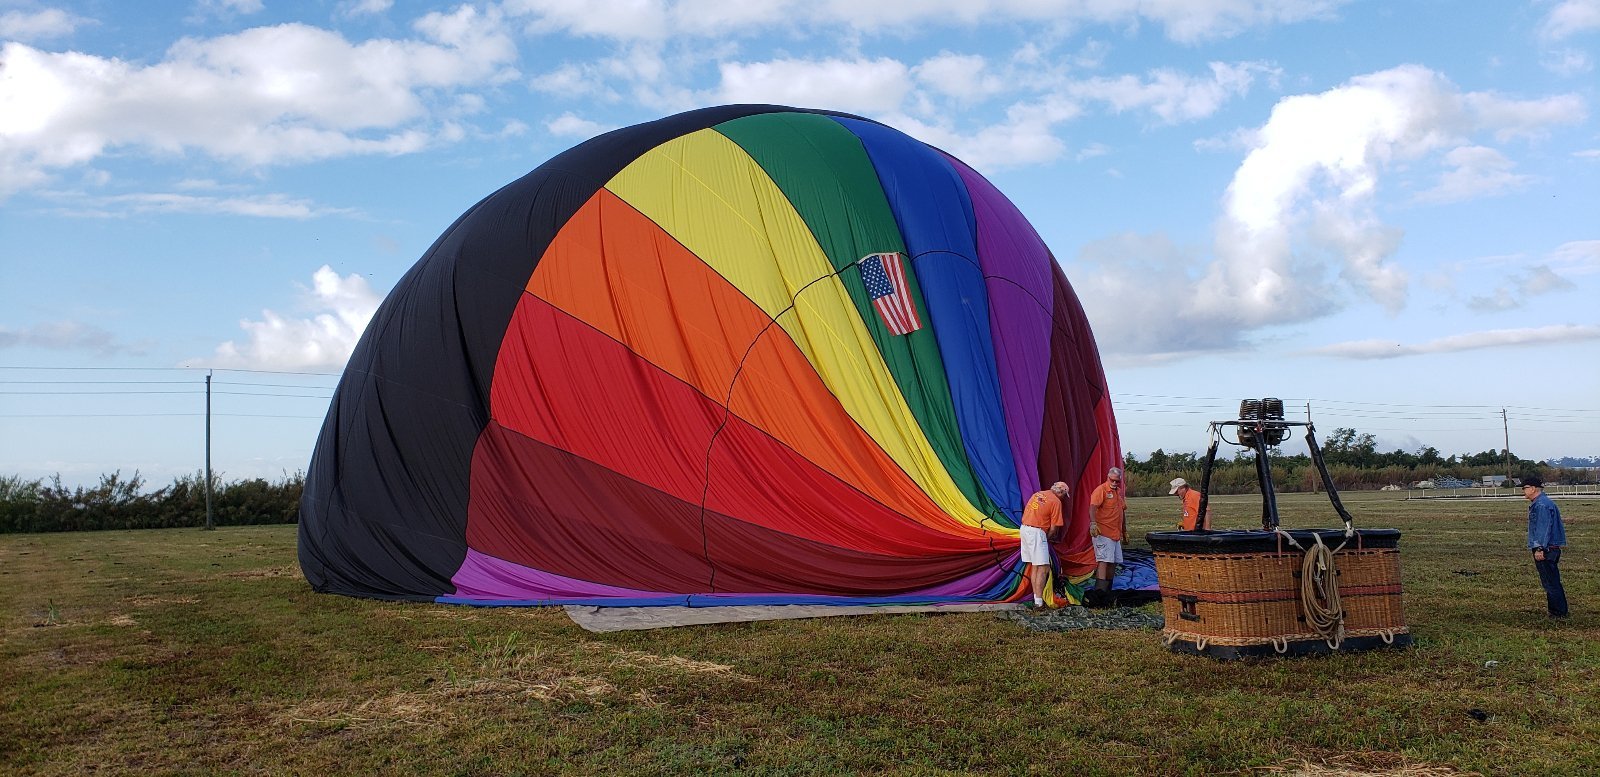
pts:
[1354, 463]
[119, 502]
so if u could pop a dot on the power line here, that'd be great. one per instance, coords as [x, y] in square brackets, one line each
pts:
[178, 369]
[101, 393]
[149, 415]
[92, 382]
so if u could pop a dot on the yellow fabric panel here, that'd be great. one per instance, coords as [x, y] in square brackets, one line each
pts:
[707, 193]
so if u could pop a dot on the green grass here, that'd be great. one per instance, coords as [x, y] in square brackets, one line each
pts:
[184, 651]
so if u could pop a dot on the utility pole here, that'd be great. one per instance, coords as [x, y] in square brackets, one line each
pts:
[1308, 427]
[209, 524]
[1506, 426]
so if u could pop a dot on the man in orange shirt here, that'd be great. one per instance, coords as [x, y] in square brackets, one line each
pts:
[1191, 505]
[1041, 522]
[1109, 508]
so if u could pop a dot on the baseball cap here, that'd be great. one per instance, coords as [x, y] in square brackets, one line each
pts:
[1533, 481]
[1176, 484]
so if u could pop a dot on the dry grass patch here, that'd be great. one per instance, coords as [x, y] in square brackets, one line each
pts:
[675, 664]
[147, 600]
[401, 709]
[1304, 768]
[289, 570]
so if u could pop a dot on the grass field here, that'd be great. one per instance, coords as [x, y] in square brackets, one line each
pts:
[184, 651]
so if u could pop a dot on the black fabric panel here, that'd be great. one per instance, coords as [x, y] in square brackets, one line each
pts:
[385, 506]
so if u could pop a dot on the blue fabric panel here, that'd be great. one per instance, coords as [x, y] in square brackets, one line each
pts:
[931, 205]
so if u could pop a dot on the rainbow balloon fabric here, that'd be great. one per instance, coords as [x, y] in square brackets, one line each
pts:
[664, 368]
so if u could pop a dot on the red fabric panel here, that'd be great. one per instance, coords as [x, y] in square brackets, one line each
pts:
[562, 382]
[549, 509]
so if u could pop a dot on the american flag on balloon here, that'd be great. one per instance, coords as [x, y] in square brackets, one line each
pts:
[884, 276]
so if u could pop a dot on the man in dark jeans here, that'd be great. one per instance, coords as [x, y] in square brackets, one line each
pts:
[1546, 536]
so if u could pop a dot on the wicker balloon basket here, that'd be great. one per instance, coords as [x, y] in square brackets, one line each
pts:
[1274, 592]
[1238, 594]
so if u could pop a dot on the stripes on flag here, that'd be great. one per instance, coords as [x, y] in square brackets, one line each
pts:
[884, 276]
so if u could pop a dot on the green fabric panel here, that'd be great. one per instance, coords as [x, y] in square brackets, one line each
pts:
[823, 170]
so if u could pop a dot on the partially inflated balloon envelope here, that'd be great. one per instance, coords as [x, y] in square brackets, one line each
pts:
[742, 355]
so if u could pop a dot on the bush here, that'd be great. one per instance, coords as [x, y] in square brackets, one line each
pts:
[121, 503]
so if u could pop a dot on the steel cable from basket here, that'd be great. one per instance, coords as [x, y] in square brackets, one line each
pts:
[1319, 593]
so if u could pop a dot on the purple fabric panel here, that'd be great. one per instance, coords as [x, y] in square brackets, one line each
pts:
[1017, 268]
[485, 577]
[987, 579]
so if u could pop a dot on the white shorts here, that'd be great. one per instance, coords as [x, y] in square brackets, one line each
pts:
[1107, 550]
[1035, 546]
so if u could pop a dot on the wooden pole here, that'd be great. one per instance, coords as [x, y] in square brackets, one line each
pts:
[1506, 426]
[209, 523]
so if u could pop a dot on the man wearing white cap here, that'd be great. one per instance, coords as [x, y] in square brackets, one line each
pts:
[1191, 505]
[1041, 522]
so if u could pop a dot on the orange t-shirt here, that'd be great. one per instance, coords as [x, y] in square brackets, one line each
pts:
[1191, 509]
[1108, 505]
[1043, 511]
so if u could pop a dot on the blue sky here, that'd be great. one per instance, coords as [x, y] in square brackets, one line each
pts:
[1388, 211]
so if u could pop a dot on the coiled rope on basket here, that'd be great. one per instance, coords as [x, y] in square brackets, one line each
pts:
[1319, 589]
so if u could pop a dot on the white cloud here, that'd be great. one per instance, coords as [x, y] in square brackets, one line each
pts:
[356, 8]
[38, 25]
[221, 7]
[887, 89]
[340, 308]
[860, 85]
[616, 19]
[571, 126]
[961, 76]
[1494, 338]
[1091, 151]
[1475, 172]
[1579, 257]
[267, 95]
[1132, 287]
[1567, 62]
[627, 20]
[1515, 291]
[1570, 18]
[1508, 118]
[274, 206]
[1171, 96]
[64, 336]
[1301, 235]
[1022, 139]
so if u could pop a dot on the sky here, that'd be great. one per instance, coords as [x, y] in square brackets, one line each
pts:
[1387, 214]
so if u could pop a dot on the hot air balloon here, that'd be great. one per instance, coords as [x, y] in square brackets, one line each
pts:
[748, 354]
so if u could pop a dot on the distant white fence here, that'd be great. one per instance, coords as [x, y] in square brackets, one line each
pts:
[1492, 492]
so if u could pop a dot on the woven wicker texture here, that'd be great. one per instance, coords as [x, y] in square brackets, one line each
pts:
[1246, 599]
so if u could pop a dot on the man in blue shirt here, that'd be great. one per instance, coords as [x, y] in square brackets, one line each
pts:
[1546, 536]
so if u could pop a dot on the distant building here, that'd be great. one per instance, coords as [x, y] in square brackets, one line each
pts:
[1494, 480]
